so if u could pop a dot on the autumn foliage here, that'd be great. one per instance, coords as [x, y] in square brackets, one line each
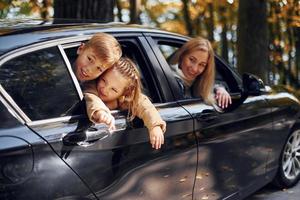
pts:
[214, 19]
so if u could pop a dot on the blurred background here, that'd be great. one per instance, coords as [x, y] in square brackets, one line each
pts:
[257, 36]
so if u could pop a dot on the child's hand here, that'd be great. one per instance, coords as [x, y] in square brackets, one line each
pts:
[105, 117]
[156, 137]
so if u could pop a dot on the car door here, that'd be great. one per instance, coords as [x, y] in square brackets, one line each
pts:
[32, 82]
[233, 143]
[126, 165]
[119, 165]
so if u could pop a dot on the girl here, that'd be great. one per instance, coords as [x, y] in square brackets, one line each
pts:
[120, 88]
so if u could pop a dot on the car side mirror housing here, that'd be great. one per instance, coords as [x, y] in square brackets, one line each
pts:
[252, 85]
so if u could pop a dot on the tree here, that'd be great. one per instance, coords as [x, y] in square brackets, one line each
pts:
[297, 44]
[119, 10]
[100, 11]
[224, 24]
[4, 8]
[252, 37]
[187, 18]
[210, 21]
[45, 9]
[135, 11]
[296, 27]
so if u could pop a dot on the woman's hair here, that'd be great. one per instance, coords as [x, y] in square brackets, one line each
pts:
[204, 87]
[128, 69]
[106, 47]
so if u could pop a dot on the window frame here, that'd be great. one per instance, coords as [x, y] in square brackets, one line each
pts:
[172, 82]
[143, 47]
[8, 100]
[146, 66]
[151, 74]
[223, 67]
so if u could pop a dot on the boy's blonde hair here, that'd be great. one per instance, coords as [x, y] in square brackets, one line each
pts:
[128, 69]
[106, 47]
[205, 81]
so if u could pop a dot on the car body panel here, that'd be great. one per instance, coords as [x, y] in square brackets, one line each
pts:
[28, 162]
[117, 158]
[218, 132]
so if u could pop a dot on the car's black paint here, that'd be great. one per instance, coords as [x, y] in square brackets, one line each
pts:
[207, 153]
[30, 169]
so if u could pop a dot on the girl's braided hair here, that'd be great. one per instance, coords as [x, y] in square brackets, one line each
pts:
[128, 69]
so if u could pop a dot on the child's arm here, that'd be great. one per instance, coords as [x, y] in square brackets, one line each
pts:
[146, 111]
[97, 111]
[156, 136]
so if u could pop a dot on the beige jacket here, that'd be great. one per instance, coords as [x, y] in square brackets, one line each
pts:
[145, 109]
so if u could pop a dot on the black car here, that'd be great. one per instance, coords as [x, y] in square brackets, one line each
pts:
[50, 150]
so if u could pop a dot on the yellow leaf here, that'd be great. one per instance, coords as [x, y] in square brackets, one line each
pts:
[198, 177]
[182, 180]
[205, 197]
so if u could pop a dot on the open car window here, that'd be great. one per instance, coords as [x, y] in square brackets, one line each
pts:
[130, 49]
[224, 76]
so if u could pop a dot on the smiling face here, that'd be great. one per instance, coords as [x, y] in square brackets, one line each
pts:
[88, 66]
[194, 63]
[111, 85]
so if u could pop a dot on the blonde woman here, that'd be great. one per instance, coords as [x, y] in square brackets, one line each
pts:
[196, 67]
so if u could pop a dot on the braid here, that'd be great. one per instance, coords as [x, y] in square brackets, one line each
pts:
[128, 69]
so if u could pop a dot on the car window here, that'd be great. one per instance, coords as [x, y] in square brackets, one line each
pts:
[131, 50]
[168, 50]
[40, 84]
[223, 75]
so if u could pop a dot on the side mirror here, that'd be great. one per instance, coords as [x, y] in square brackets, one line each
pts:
[252, 85]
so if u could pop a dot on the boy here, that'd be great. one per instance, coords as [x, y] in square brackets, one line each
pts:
[95, 56]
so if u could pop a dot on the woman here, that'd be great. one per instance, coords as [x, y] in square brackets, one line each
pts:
[196, 69]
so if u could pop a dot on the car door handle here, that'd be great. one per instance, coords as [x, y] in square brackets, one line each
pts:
[93, 134]
[89, 135]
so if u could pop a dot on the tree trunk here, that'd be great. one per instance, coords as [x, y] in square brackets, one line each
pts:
[290, 59]
[297, 47]
[224, 40]
[232, 31]
[252, 37]
[297, 43]
[278, 48]
[291, 43]
[272, 33]
[85, 10]
[46, 4]
[211, 22]
[135, 11]
[199, 24]
[119, 14]
[187, 18]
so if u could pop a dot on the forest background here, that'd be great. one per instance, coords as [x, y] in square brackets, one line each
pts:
[261, 37]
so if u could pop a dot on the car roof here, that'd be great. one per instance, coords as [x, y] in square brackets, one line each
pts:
[17, 34]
